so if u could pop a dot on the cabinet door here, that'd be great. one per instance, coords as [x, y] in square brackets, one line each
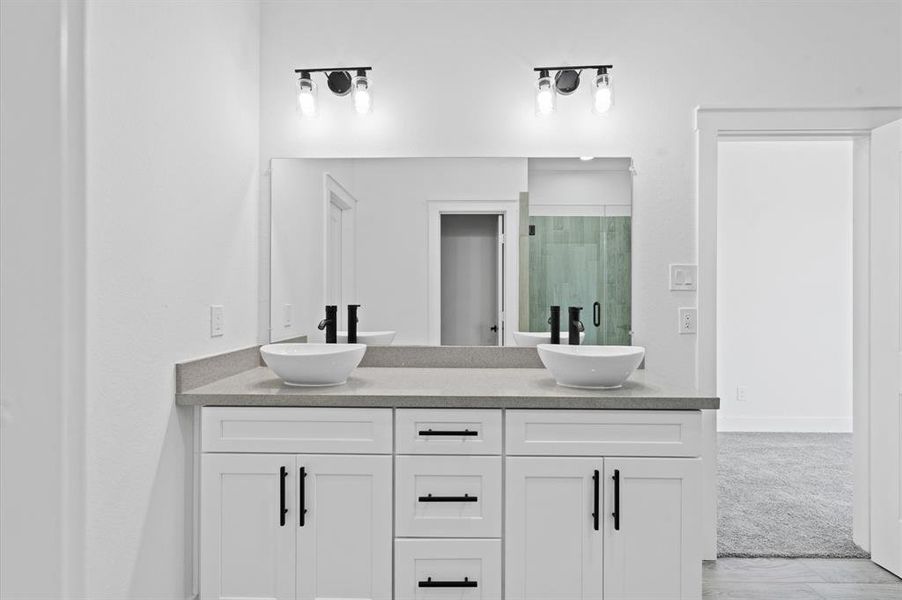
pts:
[345, 541]
[553, 548]
[247, 530]
[652, 528]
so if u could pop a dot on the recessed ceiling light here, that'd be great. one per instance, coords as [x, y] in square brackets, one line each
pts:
[586, 157]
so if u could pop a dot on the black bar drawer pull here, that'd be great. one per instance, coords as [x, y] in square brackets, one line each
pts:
[302, 477]
[595, 514]
[466, 583]
[466, 432]
[596, 314]
[283, 510]
[616, 513]
[464, 498]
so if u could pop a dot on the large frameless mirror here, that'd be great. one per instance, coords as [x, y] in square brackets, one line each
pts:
[451, 251]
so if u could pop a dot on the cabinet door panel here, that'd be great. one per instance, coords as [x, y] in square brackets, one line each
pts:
[245, 550]
[345, 544]
[656, 552]
[551, 546]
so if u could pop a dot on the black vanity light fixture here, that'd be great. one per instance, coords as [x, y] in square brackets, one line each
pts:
[566, 80]
[340, 83]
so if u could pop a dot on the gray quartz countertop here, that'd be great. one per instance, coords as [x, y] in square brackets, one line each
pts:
[444, 388]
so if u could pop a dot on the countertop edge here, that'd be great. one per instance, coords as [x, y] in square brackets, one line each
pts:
[509, 402]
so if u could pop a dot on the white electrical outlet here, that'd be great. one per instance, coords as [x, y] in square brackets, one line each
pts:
[740, 393]
[287, 311]
[688, 320]
[683, 277]
[217, 320]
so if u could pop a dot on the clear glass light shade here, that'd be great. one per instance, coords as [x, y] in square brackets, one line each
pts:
[307, 101]
[363, 99]
[546, 97]
[602, 93]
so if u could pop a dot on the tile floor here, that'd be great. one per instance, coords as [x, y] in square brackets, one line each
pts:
[798, 579]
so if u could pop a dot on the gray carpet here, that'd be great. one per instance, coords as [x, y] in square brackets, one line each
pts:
[785, 495]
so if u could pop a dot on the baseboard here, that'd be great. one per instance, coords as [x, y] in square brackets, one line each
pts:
[775, 424]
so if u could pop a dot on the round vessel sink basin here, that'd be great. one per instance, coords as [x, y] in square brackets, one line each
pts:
[591, 367]
[370, 338]
[313, 364]
[534, 338]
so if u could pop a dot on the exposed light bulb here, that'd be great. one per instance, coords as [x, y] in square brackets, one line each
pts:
[307, 104]
[602, 92]
[545, 95]
[363, 100]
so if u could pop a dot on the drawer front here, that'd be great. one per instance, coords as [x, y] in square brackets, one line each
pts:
[442, 569]
[439, 431]
[448, 496]
[603, 433]
[295, 430]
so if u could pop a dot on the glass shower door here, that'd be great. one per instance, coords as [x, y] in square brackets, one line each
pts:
[582, 261]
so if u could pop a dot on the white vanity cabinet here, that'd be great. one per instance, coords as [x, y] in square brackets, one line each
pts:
[295, 526]
[317, 503]
[595, 512]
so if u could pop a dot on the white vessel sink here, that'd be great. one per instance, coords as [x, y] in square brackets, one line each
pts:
[313, 364]
[593, 367]
[534, 338]
[370, 338]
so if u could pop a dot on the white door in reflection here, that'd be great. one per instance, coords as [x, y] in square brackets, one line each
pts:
[472, 264]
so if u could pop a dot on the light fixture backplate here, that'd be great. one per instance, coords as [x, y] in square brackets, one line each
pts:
[566, 81]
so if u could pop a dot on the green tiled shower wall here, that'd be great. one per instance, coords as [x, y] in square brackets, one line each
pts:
[576, 261]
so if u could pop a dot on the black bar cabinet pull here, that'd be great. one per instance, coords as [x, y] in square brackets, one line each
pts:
[448, 433]
[595, 514]
[466, 583]
[596, 314]
[302, 476]
[283, 510]
[616, 513]
[464, 498]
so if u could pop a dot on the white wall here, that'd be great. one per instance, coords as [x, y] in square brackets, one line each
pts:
[784, 278]
[573, 187]
[172, 179]
[298, 242]
[455, 79]
[41, 298]
[391, 243]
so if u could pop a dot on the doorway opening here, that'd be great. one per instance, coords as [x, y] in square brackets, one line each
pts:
[472, 272]
[784, 348]
[876, 134]
[490, 223]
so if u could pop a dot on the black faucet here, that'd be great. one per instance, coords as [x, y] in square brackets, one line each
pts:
[555, 321]
[330, 324]
[352, 323]
[576, 326]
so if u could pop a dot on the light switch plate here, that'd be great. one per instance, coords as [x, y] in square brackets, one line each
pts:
[683, 278]
[217, 320]
[287, 311]
[688, 320]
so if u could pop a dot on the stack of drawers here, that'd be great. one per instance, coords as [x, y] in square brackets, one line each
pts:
[448, 503]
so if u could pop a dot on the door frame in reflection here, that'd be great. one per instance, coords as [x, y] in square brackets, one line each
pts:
[510, 211]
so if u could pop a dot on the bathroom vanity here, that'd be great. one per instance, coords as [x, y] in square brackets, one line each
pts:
[447, 483]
